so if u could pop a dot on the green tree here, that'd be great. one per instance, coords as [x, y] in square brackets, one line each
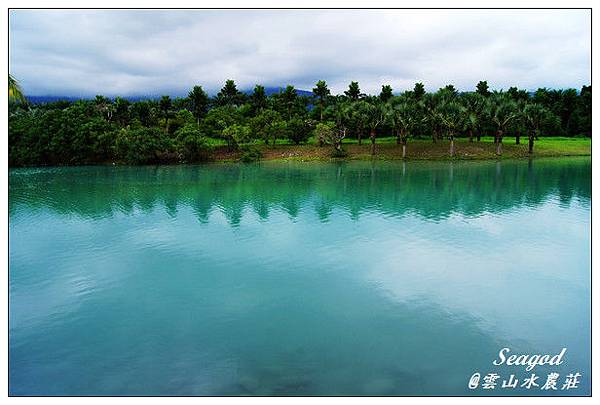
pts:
[483, 89]
[261, 124]
[328, 133]
[121, 111]
[142, 110]
[353, 92]
[229, 95]
[402, 117]
[474, 104]
[502, 111]
[321, 92]
[386, 93]
[198, 102]
[191, 144]
[451, 115]
[219, 118]
[359, 116]
[536, 117]
[165, 108]
[288, 98]
[419, 91]
[258, 99]
[299, 129]
[235, 135]
[375, 118]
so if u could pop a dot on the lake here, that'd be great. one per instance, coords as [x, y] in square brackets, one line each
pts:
[291, 278]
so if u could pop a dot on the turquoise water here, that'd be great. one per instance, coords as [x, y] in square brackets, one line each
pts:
[355, 278]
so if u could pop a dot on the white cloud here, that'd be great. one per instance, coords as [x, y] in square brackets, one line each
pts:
[152, 52]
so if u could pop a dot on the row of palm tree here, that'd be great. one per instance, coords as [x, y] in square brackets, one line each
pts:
[446, 113]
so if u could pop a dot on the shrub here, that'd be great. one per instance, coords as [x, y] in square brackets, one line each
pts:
[250, 154]
[338, 153]
[143, 145]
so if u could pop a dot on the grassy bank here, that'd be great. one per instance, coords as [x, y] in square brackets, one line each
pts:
[387, 149]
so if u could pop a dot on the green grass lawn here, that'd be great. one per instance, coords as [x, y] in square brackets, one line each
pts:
[419, 149]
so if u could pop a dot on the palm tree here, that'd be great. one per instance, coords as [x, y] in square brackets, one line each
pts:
[451, 115]
[536, 116]
[474, 104]
[403, 118]
[14, 90]
[502, 110]
[375, 117]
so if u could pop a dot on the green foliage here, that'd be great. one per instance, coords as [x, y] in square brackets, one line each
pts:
[261, 126]
[236, 134]
[198, 102]
[258, 99]
[219, 118]
[250, 154]
[386, 93]
[483, 89]
[229, 95]
[321, 91]
[299, 129]
[103, 130]
[191, 144]
[353, 92]
[330, 133]
[143, 146]
[419, 91]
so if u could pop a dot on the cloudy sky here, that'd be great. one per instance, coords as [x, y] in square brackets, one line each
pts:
[83, 53]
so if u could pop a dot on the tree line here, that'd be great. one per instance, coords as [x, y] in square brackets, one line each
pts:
[186, 129]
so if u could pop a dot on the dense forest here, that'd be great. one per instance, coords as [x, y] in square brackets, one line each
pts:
[191, 129]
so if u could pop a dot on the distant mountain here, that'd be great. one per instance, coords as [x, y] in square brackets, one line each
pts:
[52, 98]
[274, 90]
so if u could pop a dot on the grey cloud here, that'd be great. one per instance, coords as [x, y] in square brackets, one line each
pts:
[151, 52]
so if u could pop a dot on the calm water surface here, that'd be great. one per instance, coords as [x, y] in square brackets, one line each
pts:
[296, 278]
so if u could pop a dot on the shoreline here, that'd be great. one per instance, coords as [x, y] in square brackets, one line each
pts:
[416, 151]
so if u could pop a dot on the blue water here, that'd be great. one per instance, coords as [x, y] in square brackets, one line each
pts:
[297, 278]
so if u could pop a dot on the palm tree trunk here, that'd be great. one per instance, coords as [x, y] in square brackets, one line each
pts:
[531, 138]
[451, 145]
[404, 148]
[478, 136]
[470, 135]
[499, 142]
[530, 144]
[372, 136]
[360, 136]
[518, 138]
